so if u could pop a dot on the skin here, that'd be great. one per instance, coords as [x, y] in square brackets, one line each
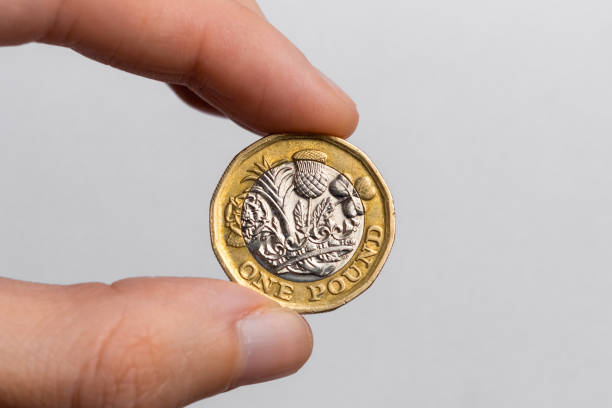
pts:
[164, 342]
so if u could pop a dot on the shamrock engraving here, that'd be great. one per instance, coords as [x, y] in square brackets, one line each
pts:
[342, 189]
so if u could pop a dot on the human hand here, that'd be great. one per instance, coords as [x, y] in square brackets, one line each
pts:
[164, 342]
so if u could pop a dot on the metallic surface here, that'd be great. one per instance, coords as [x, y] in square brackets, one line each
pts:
[288, 220]
[301, 235]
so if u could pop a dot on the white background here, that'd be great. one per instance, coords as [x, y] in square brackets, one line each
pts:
[491, 122]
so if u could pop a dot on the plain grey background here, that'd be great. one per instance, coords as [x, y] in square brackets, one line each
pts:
[491, 122]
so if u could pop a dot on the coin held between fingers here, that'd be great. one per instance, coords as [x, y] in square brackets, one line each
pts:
[306, 220]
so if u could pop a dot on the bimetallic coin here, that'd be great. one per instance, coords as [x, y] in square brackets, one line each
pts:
[306, 220]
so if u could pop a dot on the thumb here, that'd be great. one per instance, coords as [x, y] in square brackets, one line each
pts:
[153, 342]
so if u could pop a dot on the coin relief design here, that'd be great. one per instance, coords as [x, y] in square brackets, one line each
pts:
[302, 219]
[288, 221]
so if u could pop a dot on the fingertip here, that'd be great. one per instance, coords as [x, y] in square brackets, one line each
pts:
[348, 119]
[274, 342]
[351, 121]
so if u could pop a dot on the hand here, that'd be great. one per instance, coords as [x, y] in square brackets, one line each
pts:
[164, 342]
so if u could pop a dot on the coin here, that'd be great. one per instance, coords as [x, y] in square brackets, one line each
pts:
[306, 220]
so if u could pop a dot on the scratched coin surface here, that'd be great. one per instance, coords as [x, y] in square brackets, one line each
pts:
[306, 220]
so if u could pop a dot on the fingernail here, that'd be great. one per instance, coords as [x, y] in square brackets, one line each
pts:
[274, 343]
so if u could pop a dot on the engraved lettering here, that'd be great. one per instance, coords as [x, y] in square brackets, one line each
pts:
[285, 291]
[266, 284]
[366, 255]
[316, 291]
[352, 276]
[247, 270]
[375, 234]
[333, 289]
[278, 288]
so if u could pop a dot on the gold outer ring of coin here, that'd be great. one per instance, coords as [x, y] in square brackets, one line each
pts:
[370, 253]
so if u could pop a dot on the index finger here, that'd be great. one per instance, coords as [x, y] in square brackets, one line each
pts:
[222, 50]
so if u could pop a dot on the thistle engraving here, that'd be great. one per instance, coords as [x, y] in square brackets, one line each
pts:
[302, 219]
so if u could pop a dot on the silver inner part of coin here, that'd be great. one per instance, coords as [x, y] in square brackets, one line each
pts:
[302, 220]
